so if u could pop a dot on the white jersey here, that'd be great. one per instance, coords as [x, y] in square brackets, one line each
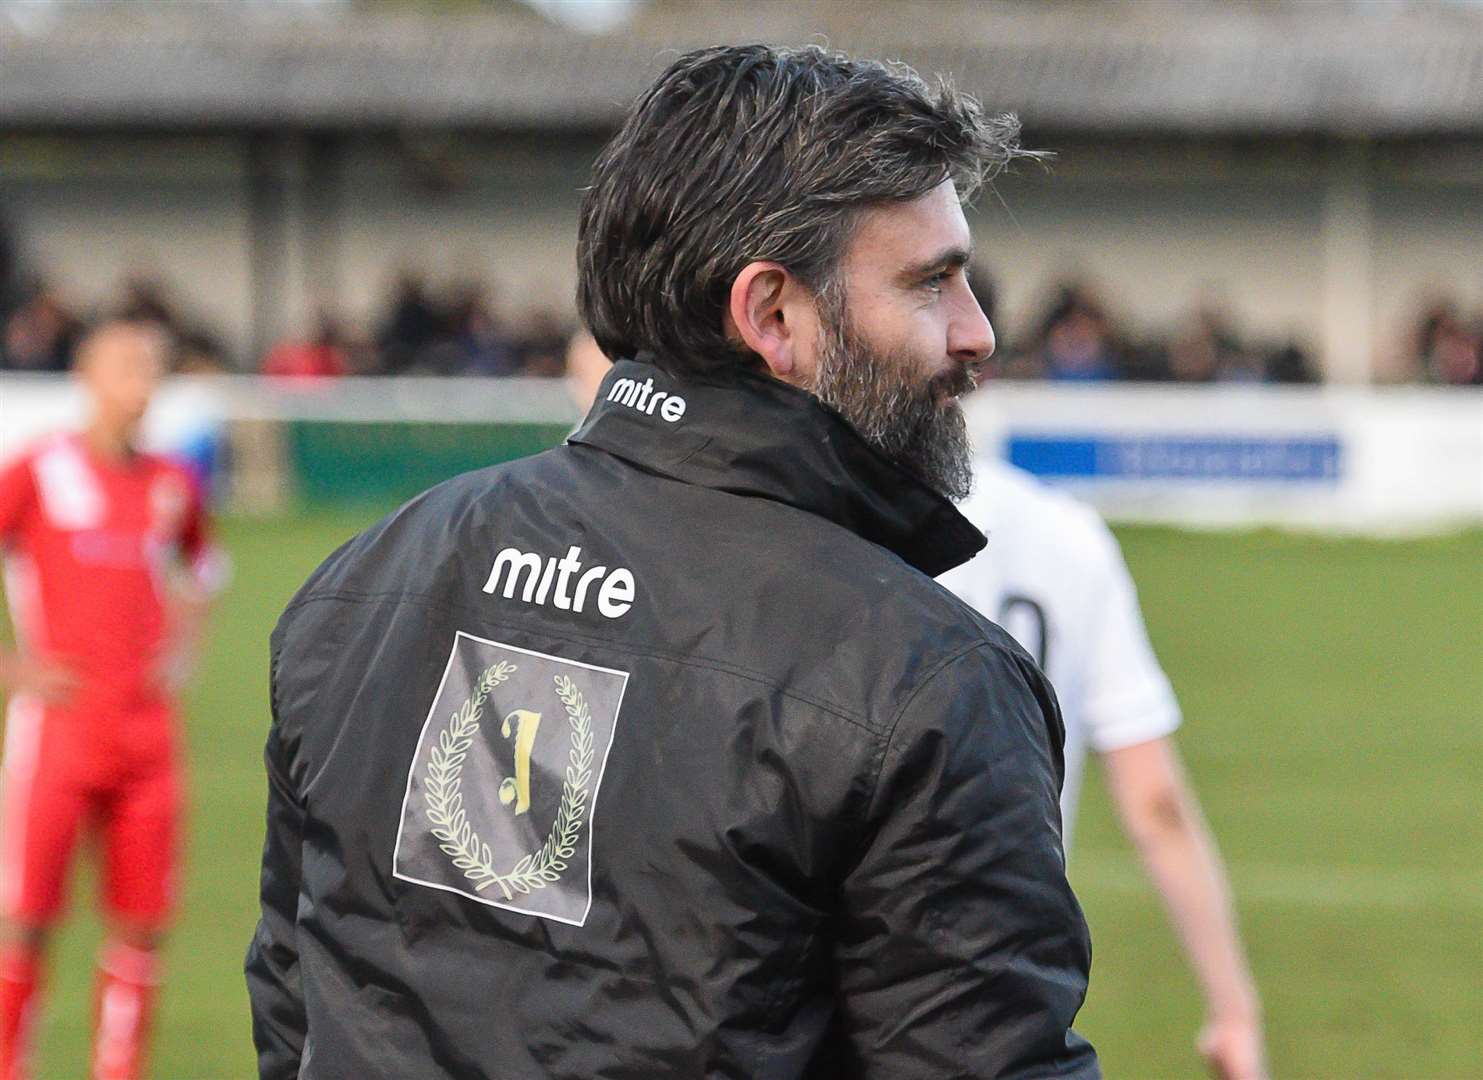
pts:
[1054, 577]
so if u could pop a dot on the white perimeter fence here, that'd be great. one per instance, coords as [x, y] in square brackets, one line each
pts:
[1373, 460]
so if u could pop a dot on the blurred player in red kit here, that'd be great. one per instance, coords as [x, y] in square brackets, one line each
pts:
[108, 573]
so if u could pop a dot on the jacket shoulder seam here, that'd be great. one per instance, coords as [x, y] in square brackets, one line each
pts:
[937, 669]
[703, 662]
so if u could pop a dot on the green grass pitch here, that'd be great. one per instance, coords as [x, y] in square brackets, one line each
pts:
[1332, 694]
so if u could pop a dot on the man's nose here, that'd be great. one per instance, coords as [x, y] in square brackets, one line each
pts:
[971, 338]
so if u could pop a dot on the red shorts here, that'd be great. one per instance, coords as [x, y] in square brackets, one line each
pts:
[62, 775]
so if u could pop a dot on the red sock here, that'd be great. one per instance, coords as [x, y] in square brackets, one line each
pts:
[20, 982]
[127, 977]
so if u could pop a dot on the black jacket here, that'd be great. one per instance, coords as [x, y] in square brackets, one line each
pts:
[660, 755]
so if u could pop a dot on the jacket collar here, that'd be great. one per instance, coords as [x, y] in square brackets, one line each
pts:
[749, 434]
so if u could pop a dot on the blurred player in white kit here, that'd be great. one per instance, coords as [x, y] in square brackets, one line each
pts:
[1054, 577]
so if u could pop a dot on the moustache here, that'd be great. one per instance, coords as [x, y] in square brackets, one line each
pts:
[948, 386]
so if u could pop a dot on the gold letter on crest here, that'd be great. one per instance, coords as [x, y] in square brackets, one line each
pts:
[518, 789]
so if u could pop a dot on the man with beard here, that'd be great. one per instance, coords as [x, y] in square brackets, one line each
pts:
[828, 841]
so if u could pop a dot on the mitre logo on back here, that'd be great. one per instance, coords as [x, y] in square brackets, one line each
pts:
[503, 786]
[563, 582]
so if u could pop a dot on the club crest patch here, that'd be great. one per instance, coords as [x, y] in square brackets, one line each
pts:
[503, 787]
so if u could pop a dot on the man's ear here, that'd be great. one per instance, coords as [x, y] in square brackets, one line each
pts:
[772, 314]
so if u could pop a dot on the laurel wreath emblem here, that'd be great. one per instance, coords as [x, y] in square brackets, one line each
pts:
[443, 793]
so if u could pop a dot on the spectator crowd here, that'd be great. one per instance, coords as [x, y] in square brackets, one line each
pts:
[1076, 339]
[423, 332]
[460, 331]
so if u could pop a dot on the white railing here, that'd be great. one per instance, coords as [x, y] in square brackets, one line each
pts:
[1370, 459]
[33, 403]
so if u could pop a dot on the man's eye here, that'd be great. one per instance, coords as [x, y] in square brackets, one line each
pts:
[938, 280]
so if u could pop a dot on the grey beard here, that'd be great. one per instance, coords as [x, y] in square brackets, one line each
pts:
[917, 424]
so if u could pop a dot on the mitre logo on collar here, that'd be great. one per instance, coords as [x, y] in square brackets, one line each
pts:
[503, 786]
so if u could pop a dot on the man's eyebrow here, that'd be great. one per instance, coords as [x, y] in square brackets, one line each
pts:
[953, 258]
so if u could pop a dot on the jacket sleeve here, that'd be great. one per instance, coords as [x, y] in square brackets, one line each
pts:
[962, 951]
[278, 1020]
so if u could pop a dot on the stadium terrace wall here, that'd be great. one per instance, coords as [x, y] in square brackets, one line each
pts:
[1383, 461]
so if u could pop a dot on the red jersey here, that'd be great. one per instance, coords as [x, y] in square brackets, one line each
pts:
[88, 544]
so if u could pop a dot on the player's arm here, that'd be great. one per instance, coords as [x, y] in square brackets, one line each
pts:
[1129, 712]
[21, 673]
[273, 985]
[53, 683]
[1162, 816]
[203, 572]
[961, 950]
